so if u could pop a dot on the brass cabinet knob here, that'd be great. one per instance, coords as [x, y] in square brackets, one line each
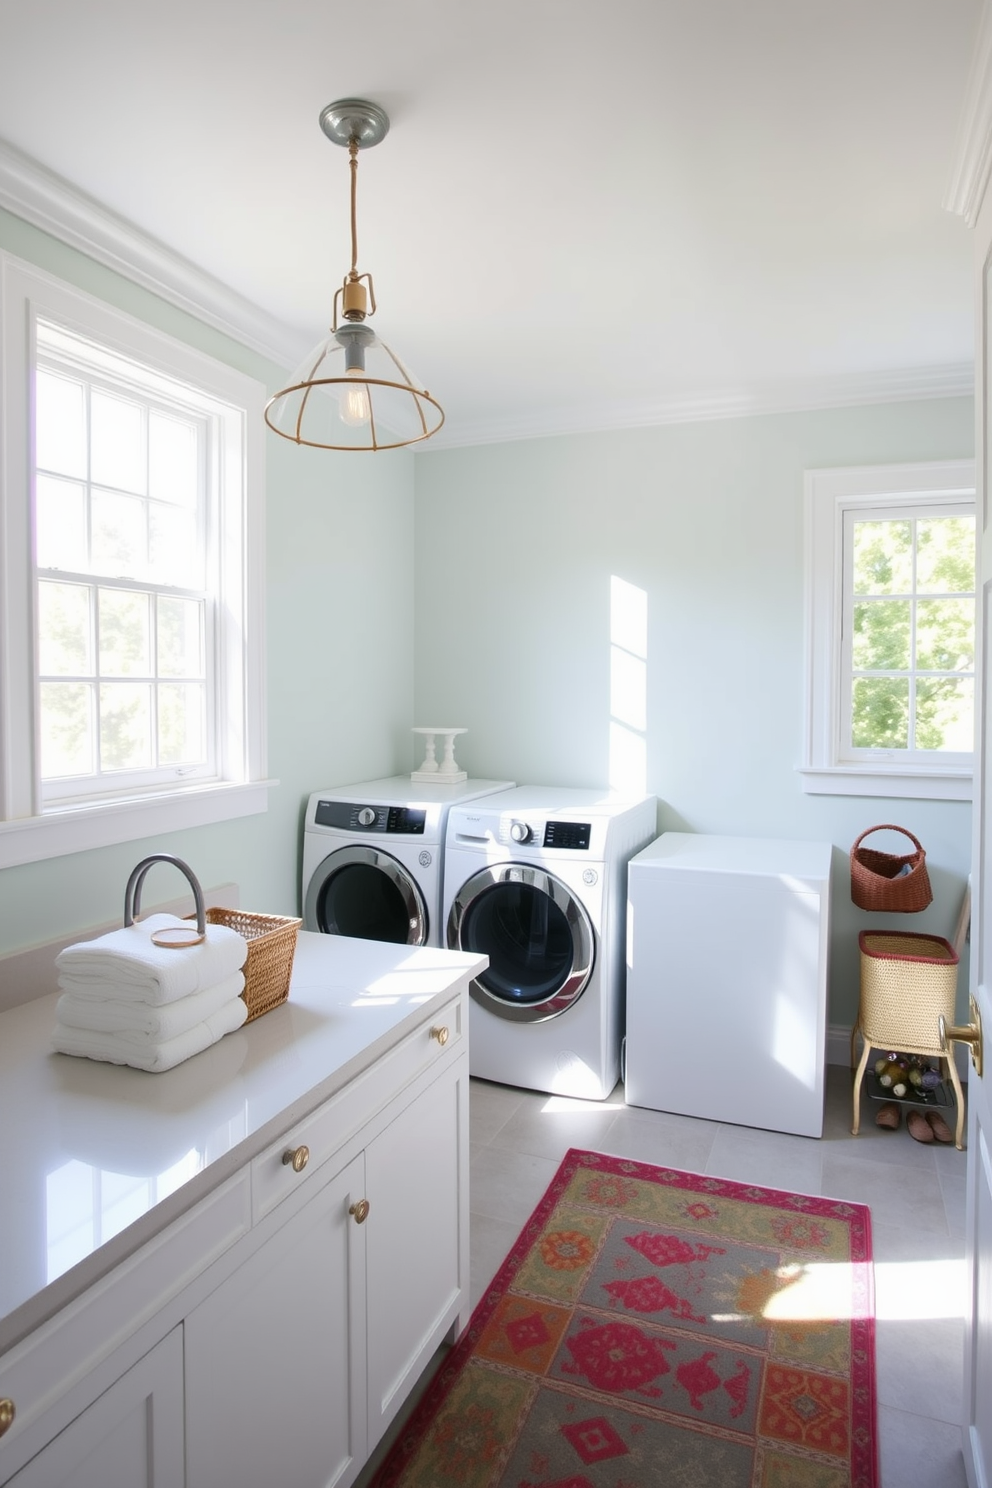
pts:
[360, 1210]
[297, 1158]
[7, 1414]
[441, 1034]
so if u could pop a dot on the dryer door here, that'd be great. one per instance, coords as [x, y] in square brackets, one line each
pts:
[537, 935]
[363, 892]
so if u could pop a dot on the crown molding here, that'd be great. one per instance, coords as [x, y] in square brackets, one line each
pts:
[49, 202]
[907, 385]
[973, 150]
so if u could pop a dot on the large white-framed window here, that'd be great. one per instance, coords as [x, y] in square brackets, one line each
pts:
[132, 665]
[890, 630]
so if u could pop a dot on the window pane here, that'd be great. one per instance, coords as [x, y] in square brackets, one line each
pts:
[881, 640]
[175, 553]
[125, 725]
[66, 729]
[172, 460]
[64, 629]
[180, 637]
[945, 717]
[124, 634]
[181, 724]
[117, 454]
[60, 424]
[946, 555]
[60, 524]
[945, 636]
[120, 536]
[880, 713]
[883, 557]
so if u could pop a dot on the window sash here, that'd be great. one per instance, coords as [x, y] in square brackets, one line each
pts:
[941, 486]
[32, 828]
[846, 752]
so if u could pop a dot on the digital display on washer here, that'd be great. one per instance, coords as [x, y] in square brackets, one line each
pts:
[567, 834]
[357, 817]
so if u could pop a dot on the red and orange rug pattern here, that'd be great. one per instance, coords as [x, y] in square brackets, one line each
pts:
[654, 1326]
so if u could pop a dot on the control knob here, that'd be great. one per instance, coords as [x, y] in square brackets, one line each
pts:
[520, 831]
[366, 816]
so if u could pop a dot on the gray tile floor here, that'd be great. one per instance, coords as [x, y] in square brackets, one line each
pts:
[915, 1192]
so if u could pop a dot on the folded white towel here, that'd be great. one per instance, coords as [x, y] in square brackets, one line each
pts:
[140, 1023]
[155, 1057]
[124, 963]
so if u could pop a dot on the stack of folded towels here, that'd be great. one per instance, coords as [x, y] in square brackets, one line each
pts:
[128, 1001]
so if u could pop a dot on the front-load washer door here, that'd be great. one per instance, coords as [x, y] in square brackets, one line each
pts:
[537, 935]
[364, 892]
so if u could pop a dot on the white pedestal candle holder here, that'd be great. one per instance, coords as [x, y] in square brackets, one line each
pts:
[443, 771]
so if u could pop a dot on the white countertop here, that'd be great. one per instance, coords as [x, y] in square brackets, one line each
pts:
[97, 1158]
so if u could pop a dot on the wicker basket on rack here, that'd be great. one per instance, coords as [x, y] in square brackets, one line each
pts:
[907, 981]
[890, 882]
[271, 948]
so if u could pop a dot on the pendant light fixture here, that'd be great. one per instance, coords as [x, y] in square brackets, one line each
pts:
[353, 392]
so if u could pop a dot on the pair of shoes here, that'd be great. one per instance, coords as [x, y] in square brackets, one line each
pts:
[889, 1116]
[925, 1128]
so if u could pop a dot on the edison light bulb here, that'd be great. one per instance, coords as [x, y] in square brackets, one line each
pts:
[355, 408]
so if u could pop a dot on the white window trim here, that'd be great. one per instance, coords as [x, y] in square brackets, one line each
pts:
[828, 495]
[25, 835]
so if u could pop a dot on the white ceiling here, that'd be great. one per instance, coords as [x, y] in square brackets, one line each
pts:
[584, 214]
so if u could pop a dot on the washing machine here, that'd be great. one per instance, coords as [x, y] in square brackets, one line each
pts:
[372, 855]
[536, 879]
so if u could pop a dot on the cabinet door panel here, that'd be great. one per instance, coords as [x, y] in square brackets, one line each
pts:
[416, 1241]
[130, 1437]
[275, 1358]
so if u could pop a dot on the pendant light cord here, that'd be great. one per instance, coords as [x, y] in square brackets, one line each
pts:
[353, 153]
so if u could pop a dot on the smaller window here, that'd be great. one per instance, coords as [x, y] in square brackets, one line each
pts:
[890, 578]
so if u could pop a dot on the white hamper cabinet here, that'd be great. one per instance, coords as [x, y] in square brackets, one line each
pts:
[727, 979]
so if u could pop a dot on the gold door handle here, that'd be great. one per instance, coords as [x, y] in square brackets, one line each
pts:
[967, 1033]
[441, 1034]
[7, 1414]
[297, 1158]
[360, 1210]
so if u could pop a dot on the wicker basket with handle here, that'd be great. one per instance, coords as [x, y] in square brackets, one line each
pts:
[271, 948]
[891, 882]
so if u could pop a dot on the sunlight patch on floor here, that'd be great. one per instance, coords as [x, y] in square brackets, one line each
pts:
[912, 1291]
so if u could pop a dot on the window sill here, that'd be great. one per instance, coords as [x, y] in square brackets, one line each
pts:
[35, 838]
[917, 785]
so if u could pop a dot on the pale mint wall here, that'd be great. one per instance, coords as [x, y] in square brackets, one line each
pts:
[340, 653]
[516, 546]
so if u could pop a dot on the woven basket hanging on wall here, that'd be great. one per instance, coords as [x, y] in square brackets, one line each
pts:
[888, 881]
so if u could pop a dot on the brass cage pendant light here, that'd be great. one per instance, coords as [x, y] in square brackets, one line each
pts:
[353, 392]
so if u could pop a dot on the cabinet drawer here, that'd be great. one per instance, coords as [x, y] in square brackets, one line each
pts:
[325, 1131]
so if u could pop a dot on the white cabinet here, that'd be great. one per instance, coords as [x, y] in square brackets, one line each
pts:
[305, 1352]
[275, 1356]
[727, 979]
[270, 1333]
[416, 1234]
[130, 1437]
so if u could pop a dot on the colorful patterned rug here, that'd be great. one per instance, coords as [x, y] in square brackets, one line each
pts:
[653, 1327]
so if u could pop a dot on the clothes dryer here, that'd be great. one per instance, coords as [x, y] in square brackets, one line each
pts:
[372, 856]
[536, 879]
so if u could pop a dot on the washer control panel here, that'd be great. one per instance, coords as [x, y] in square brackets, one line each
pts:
[348, 816]
[568, 835]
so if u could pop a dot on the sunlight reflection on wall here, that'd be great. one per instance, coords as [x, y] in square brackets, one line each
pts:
[628, 687]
